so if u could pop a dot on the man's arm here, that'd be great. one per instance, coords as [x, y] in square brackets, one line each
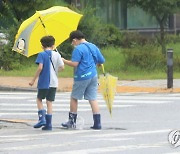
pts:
[39, 69]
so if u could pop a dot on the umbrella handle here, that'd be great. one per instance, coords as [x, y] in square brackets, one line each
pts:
[103, 68]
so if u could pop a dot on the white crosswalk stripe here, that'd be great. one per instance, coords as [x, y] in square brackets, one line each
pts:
[20, 103]
[111, 139]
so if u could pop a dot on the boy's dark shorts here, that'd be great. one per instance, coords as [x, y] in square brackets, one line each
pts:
[49, 94]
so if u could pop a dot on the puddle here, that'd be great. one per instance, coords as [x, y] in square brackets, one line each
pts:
[12, 125]
[114, 128]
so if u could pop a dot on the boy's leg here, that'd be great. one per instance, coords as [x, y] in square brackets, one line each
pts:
[48, 116]
[49, 107]
[39, 104]
[40, 96]
[49, 99]
[41, 112]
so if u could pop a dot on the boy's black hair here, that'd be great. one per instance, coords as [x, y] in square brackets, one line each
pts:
[47, 41]
[76, 35]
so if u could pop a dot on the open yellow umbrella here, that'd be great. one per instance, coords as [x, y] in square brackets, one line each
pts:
[57, 21]
[108, 85]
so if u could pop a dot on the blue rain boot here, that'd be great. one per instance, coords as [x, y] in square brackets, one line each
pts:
[48, 125]
[97, 121]
[42, 120]
[71, 122]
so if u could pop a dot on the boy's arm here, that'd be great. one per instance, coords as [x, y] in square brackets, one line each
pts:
[39, 69]
[61, 64]
[70, 63]
[61, 68]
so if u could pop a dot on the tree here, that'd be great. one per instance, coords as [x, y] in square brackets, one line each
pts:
[12, 14]
[16, 11]
[161, 10]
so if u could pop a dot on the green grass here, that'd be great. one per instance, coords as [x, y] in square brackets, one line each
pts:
[114, 65]
[67, 72]
[29, 71]
[175, 47]
[25, 71]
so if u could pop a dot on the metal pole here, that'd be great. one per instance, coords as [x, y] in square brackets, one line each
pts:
[170, 68]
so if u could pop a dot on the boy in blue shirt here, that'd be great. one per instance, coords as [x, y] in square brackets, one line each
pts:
[49, 63]
[84, 59]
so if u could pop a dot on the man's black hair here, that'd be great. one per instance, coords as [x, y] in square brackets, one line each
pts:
[47, 41]
[76, 35]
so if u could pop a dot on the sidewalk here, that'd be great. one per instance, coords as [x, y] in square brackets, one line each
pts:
[65, 85]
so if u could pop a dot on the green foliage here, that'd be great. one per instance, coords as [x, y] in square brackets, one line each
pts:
[8, 59]
[114, 59]
[132, 39]
[161, 10]
[145, 57]
[176, 63]
[115, 64]
[12, 13]
[97, 31]
[65, 49]
[158, 8]
[172, 39]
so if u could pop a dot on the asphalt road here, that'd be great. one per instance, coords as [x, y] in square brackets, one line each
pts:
[140, 124]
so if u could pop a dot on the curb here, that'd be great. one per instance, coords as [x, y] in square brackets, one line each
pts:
[6, 88]
[119, 89]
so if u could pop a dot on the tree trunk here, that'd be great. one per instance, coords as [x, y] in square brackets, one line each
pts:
[162, 38]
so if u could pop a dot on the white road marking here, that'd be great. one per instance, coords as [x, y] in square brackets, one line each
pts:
[85, 151]
[47, 133]
[113, 149]
[14, 97]
[24, 110]
[54, 105]
[130, 133]
[115, 101]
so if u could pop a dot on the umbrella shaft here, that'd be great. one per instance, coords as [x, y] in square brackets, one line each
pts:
[42, 22]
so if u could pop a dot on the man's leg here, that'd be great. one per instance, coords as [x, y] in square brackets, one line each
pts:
[73, 105]
[72, 114]
[78, 90]
[94, 106]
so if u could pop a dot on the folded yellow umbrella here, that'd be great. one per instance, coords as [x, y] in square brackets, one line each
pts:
[108, 85]
[57, 21]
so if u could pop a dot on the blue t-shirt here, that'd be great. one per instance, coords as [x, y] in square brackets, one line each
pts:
[88, 55]
[44, 77]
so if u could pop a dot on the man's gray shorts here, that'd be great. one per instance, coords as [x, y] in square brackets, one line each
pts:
[86, 89]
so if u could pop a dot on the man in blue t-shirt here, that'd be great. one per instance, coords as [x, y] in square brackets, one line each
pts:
[85, 57]
[49, 63]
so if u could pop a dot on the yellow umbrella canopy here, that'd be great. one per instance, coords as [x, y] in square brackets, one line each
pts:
[57, 21]
[108, 88]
